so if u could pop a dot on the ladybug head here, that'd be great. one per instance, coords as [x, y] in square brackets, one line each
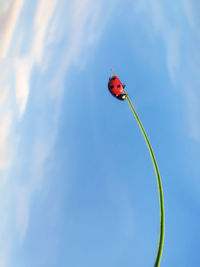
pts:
[121, 97]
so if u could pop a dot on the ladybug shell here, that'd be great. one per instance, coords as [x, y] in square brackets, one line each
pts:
[115, 86]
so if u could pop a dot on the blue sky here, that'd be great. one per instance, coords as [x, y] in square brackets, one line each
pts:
[77, 184]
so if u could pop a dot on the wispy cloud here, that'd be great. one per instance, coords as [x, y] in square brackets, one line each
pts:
[173, 22]
[69, 36]
[165, 22]
[19, 76]
[8, 22]
[193, 111]
[24, 65]
[86, 26]
[192, 8]
[5, 149]
[3, 95]
[78, 34]
[22, 198]
[16, 74]
[22, 83]
[5, 250]
[44, 13]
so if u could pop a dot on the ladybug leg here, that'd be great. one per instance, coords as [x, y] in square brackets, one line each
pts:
[123, 85]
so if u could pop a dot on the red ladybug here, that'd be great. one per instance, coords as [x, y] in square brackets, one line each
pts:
[116, 88]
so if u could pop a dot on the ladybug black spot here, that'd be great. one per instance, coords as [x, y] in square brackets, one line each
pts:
[118, 85]
[113, 78]
[111, 87]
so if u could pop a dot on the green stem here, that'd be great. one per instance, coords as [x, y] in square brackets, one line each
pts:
[160, 191]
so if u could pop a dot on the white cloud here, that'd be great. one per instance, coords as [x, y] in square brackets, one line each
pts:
[22, 83]
[44, 13]
[24, 65]
[3, 95]
[8, 20]
[8, 23]
[5, 126]
[5, 149]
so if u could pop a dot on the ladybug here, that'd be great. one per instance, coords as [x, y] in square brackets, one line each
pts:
[116, 88]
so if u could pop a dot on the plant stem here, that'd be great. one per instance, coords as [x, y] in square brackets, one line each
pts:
[159, 184]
